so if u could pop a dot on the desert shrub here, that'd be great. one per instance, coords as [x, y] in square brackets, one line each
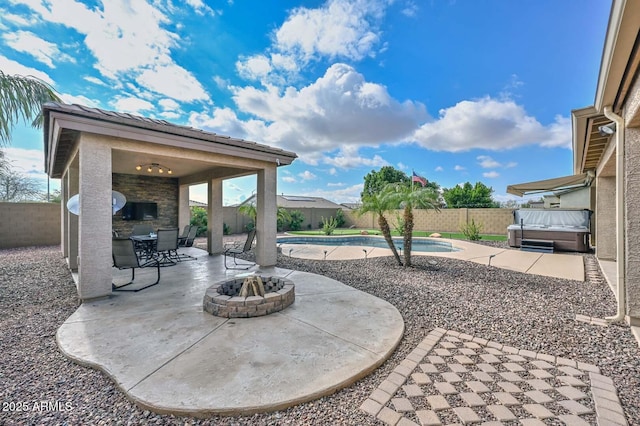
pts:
[471, 230]
[329, 225]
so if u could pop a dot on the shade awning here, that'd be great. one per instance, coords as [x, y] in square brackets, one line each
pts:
[555, 184]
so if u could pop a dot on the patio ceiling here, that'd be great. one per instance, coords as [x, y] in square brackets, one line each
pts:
[125, 162]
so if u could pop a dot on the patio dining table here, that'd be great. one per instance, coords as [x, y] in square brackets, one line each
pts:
[146, 243]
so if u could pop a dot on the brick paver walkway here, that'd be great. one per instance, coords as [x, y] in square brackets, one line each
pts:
[455, 378]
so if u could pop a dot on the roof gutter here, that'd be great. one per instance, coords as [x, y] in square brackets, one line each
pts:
[620, 253]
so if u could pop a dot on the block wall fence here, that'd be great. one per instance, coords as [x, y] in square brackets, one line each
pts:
[35, 224]
[29, 224]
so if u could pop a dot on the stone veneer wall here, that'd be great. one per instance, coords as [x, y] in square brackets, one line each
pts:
[29, 224]
[163, 191]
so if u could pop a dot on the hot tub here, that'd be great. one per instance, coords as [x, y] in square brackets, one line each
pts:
[568, 229]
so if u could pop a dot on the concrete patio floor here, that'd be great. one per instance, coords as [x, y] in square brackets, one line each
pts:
[559, 265]
[169, 356]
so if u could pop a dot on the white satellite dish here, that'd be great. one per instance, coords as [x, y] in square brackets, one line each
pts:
[73, 205]
[118, 201]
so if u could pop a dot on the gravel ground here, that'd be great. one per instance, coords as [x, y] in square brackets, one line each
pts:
[41, 387]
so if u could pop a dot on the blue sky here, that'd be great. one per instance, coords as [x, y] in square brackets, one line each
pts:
[466, 90]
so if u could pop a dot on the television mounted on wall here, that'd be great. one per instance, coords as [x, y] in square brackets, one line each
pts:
[140, 211]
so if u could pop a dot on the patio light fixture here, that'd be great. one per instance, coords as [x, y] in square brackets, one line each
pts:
[152, 166]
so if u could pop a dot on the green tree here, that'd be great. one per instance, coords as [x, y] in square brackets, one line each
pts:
[21, 98]
[15, 187]
[374, 182]
[377, 203]
[199, 219]
[471, 196]
[283, 218]
[250, 211]
[409, 197]
[295, 220]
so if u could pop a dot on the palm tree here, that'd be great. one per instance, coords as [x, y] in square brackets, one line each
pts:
[377, 203]
[408, 197]
[22, 98]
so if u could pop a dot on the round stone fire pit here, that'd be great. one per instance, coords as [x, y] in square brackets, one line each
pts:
[222, 299]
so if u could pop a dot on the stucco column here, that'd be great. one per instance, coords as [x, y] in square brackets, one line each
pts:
[266, 221]
[606, 217]
[632, 223]
[64, 197]
[95, 262]
[184, 213]
[72, 219]
[215, 217]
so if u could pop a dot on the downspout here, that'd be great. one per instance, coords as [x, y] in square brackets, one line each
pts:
[620, 252]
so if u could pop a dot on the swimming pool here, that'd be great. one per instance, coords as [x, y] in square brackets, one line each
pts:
[418, 244]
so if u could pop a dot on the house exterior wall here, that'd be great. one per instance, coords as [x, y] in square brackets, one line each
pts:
[632, 218]
[606, 217]
[163, 191]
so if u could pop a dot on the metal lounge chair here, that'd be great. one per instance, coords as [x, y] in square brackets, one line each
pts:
[125, 257]
[187, 242]
[167, 246]
[239, 250]
[183, 237]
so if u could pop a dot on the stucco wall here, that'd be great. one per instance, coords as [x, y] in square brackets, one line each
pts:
[493, 221]
[29, 224]
[606, 217]
[632, 222]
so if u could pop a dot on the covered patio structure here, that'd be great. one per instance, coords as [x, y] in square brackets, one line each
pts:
[94, 152]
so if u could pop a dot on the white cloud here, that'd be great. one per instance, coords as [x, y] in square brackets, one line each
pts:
[95, 80]
[349, 158]
[131, 104]
[254, 67]
[339, 108]
[511, 164]
[200, 7]
[491, 175]
[402, 166]
[11, 67]
[350, 194]
[80, 100]
[42, 50]
[487, 162]
[289, 179]
[333, 171]
[338, 29]
[307, 175]
[459, 168]
[127, 40]
[439, 169]
[20, 20]
[170, 109]
[331, 184]
[490, 124]
[410, 9]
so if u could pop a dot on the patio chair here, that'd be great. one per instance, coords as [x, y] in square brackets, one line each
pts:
[125, 257]
[167, 246]
[239, 250]
[142, 229]
[187, 242]
[183, 237]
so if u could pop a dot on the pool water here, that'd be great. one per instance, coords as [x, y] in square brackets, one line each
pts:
[418, 244]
